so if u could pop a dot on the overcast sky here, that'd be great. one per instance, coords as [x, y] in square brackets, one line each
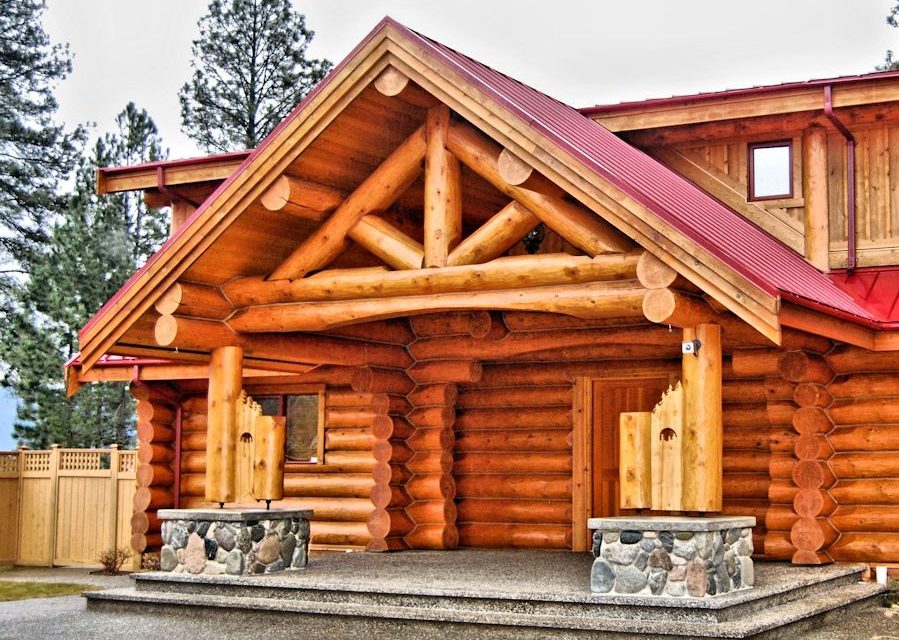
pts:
[580, 52]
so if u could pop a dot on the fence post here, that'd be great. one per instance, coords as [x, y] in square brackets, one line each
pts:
[113, 496]
[54, 494]
[20, 468]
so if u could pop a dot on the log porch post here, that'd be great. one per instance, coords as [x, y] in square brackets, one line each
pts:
[225, 374]
[703, 433]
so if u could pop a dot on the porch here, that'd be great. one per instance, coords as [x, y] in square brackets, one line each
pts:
[470, 593]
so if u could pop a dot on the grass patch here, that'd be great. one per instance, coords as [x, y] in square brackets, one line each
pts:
[25, 590]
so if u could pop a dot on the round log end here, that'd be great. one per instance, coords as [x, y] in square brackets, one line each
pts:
[659, 305]
[166, 330]
[169, 302]
[480, 324]
[513, 169]
[652, 273]
[277, 196]
[362, 380]
[391, 82]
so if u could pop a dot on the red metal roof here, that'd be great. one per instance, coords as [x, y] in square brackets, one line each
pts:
[744, 91]
[747, 249]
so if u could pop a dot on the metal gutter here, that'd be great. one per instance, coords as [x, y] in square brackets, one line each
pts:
[850, 176]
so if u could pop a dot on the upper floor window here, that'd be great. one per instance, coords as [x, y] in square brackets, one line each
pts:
[305, 423]
[771, 170]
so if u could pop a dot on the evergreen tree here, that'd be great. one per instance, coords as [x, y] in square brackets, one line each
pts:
[35, 152]
[250, 70]
[890, 63]
[91, 252]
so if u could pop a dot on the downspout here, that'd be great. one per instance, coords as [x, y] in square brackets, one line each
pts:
[850, 171]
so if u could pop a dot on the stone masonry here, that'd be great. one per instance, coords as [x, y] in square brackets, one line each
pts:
[671, 556]
[233, 541]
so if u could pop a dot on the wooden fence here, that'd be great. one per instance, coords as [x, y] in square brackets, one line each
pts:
[64, 506]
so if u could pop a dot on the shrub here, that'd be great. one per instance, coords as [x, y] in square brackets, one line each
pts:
[149, 561]
[114, 559]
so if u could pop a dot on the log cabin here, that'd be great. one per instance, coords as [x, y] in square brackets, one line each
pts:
[451, 286]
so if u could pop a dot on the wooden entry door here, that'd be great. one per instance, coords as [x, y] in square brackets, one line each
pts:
[610, 399]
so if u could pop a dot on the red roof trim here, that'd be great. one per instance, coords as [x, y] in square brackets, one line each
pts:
[733, 93]
[180, 162]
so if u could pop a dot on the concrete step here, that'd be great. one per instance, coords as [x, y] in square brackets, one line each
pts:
[346, 614]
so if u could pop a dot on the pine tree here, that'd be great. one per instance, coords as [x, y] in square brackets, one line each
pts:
[35, 152]
[250, 69]
[91, 252]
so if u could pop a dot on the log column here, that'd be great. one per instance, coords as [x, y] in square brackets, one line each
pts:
[155, 476]
[225, 382]
[431, 486]
[812, 533]
[703, 437]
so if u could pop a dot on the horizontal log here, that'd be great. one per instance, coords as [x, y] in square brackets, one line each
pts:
[432, 512]
[430, 462]
[155, 412]
[437, 486]
[757, 508]
[781, 413]
[812, 534]
[355, 485]
[875, 437]
[355, 461]
[432, 417]
[864, 385]
[847, 359]
[380, 380]
[587, 300]
[331, 509]
[349, 439]
[144, 522]
[389, 522]
[782, 440]
[147, 453]
[531, 486]
[384, 496]
[557, 396]
[155, 433]
[652, 273]
[745, 416]
[434, 395]
[194, 299]
[866, 547]
[445, 371]
[812, 447]
[798, 366]
[780, 517]
[348, 417]
[519, 345]
[346, 398]
[301, 198]
[514, 511]
[751, 438]
[752, 486]
[866, 491]
[198, 334]
[518, 462]
[522, 536]
[436, 439]
[395, 331]
[536, 321]
[339, 533]
[755, 363]
[514, 440]
[813, 503]
[472, 323]
[145, 542]
[502, 273]
[782, 491]
[154, 475]
[513, 419]
[778, 546]
[745, 461]
[153, 498]
[875, 464]
[677, 309]
[811, 394]
[401, 429]
[513, 169]
[853, 519]
[865, 410]
[550, 374]
[781, 466]
[433, 536]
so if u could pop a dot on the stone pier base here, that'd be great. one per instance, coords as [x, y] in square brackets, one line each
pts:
[671, 556]
[233, 541]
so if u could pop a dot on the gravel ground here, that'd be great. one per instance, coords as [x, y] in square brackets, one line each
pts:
[66, 617]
